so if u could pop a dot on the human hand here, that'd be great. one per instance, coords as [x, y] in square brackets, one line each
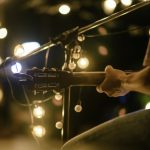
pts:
[113, 82]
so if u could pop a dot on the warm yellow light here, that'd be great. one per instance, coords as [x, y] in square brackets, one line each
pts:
[39, 131]
[102, 31]
[147, 106]
[1, 60]
[64, 9]
[38, 112]
[59, 125]
[58, 96]
[19, 51]
[103, 50]
[72, 66]
[78, 108]
[25, 48]
[149, 31]
[109, 6]
[83, 62]
[76, 55]
[1, 95]
[3, 33]
[126, 2]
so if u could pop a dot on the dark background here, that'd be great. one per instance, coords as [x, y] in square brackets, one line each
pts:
[126, 41]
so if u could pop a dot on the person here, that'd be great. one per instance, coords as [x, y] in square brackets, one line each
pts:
[129, 132]
[119, 83]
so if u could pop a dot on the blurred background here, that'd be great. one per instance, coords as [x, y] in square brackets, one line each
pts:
[27, 24]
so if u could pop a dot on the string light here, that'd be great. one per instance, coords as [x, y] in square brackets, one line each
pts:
[3, 33]
[76, 52]
[39, 131]
[77, 48]
[64, 9]
[83, 63]
[1, 60]
[78, 108]
[76, 55]
[19, 51]
[72, 65]
[16, 68]
[58, 96]
[147, 106]
[38, 112]
[59, 125]
[81, 38]
[102, 31]
[126, 2]
[103, 50]
[25, 48]
[109, 6]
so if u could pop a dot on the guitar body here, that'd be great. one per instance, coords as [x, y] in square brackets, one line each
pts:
[130, 132]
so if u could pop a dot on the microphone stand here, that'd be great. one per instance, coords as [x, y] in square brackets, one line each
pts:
[66, 135]
[66, 38]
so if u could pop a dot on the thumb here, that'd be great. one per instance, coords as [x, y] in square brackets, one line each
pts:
[108, 69]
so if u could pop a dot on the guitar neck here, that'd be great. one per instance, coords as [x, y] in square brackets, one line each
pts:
[86, 78]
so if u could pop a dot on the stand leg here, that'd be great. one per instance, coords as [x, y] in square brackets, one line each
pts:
[65, 133]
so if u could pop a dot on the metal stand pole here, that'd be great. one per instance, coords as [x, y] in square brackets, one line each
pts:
[71, 34]
[65, 133]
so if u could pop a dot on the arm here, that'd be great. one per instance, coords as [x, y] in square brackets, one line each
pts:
[118, 83]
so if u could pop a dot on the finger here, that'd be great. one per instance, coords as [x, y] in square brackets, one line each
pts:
[99, 89]
[108, 69]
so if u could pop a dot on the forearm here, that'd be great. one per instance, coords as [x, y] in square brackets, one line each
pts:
[138, 81]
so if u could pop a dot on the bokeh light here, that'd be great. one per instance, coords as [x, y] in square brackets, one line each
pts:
[102, 31]
[83, 62]
[16, 68]
[1, 60]
[78, 108]
[147, 106]
[58, 96]
[126, 2]
[1, 95]
[39, 131]
[109, 6]
[58, 99]
[64, 9]
[3, 33]
[59, 125]
[72, 65]
[38, 112]
[103, 50]
[25, 48]
[56, 102]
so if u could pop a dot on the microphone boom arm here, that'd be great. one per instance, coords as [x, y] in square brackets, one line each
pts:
[73, 33]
